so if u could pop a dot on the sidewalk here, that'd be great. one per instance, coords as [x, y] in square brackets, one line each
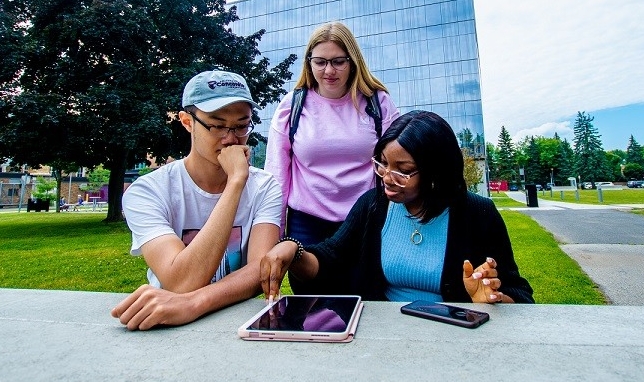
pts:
[519, 196]
[605, 240]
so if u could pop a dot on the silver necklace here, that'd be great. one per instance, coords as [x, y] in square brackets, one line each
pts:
[416, 237]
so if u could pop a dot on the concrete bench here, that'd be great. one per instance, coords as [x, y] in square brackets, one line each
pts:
[65, 207]
[607, 187]
[563, 189]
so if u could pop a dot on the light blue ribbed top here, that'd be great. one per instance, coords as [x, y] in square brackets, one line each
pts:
[413, 270]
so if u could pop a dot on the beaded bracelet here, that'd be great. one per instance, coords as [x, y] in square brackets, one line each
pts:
[300, 247]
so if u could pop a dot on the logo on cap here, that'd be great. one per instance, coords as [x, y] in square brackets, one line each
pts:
[227, 83]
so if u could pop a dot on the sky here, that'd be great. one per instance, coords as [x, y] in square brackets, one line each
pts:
[542, 61]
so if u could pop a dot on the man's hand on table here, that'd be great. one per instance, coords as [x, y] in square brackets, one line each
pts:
[149, 306]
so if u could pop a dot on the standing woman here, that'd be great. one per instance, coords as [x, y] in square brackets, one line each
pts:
[328, 166]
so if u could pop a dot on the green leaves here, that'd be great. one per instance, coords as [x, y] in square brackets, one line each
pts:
[94, 83]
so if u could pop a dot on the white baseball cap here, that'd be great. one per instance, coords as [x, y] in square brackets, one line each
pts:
[212, 90]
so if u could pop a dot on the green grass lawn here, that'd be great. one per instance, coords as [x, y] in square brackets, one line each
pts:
[67, 251]
[503, 201]
[625, 196]
[80, 252]
[554, 276]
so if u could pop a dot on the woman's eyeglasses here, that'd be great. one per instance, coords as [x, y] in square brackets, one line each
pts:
[338, 63]
[222, 131]
[398, 178]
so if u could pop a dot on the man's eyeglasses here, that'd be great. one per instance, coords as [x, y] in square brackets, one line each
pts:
[338, 63]
[398, 178]
[222, 131]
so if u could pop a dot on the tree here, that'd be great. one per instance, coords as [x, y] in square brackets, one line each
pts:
[506, 163]
[492, 161]
[471, 172]
[44, 189]
[532, 164]
[97, 178]
[11, 61]
[634, 152]
[107, 77]
[590, 161]
[566, 163]
[549, 152]
[614, 164]
[633, 171]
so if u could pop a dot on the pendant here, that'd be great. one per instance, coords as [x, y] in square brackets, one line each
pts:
[416, 237]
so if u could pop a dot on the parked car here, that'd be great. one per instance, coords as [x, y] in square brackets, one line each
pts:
[635, 184]
[539, 188]
[549, 186]
[514, 187]
[587, 185]
[602, 184]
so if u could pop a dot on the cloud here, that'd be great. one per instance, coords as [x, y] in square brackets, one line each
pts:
[548, 130]
[542, 61]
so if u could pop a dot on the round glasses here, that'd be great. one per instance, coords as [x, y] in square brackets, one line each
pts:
[338, 63]
[222, 131]
[398, 178]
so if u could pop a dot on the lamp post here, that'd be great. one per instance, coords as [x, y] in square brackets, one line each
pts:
[487, 180]
[552, 182]
[24, 180]
[69, 191]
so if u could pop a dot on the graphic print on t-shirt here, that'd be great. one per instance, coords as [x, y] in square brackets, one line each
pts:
[232, 256]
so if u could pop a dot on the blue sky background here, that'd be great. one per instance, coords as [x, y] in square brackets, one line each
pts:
[616, 125]
[542, 61]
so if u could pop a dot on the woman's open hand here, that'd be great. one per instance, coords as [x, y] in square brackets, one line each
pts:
[482, 283]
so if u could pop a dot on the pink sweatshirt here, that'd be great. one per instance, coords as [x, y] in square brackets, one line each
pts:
[331, 165]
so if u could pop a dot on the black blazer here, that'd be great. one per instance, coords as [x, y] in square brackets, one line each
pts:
[350, 261]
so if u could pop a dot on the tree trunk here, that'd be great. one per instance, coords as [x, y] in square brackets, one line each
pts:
[58, 176]
[115, 189]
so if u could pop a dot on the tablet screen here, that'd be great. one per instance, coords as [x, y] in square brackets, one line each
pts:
[308, 313]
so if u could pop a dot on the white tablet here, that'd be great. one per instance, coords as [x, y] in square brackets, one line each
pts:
[305, 318]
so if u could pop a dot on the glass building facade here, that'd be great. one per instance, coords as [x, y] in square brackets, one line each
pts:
[424, 51]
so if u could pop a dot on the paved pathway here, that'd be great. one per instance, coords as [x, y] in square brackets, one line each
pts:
[606, 241]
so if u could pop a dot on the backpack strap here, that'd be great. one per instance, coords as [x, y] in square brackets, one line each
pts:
[296, 109]
[374, 111]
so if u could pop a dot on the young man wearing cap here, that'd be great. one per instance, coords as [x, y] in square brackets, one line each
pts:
[203, 222]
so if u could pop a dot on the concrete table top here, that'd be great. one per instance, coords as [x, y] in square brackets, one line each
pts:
[63, 335]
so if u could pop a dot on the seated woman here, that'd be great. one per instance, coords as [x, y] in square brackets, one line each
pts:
[416, 235]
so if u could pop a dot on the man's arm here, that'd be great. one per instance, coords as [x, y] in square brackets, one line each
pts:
[149, 306]
[182, 268]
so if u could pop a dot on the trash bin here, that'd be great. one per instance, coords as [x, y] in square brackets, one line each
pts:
[531, 195]
[37, 205]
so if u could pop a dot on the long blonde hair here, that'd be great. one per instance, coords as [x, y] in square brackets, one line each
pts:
[360, 79]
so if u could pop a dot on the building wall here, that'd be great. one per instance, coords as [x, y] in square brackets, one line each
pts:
[10, 189]
[424, 51]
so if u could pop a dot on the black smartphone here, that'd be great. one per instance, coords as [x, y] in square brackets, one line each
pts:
[448, 314]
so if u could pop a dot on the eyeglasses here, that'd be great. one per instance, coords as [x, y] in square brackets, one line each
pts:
[398, 178]
[222, 131]
[338, 63]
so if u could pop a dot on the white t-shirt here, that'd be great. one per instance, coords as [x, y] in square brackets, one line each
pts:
[167, 201]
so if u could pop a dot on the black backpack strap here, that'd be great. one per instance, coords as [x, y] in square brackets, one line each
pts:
[374, 111]
[296, 109]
